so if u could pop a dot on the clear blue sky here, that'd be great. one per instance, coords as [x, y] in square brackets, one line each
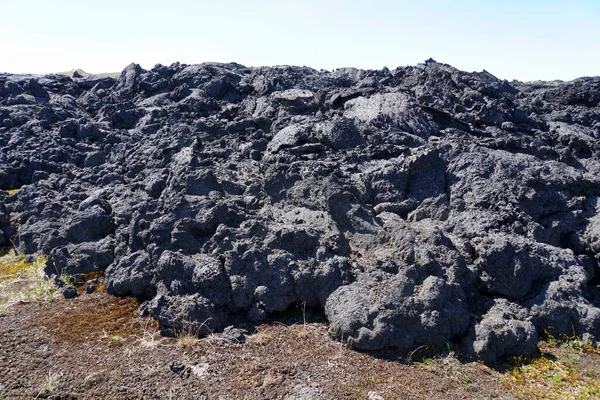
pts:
[524, 40]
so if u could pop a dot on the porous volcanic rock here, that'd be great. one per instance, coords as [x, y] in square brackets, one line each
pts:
[415, 206]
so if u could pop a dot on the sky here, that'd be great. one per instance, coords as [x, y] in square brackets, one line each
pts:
[524, 40]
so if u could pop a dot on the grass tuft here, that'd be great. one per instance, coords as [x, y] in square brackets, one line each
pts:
[187, 339]
[23, 282]
[150, 334]
[51, 381]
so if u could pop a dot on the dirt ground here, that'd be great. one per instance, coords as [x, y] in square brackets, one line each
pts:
[97, 347]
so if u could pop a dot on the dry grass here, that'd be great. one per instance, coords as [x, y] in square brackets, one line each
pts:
[110, 318]
[150, 334]
[10, 192]
[447, 365]
[23, 282]
[51, 381]
[128, 351]
[187, 340]
[99, 275]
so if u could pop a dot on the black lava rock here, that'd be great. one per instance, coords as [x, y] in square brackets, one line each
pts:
[176, 367]
[415, 206]
[89, 288]
[70, 292]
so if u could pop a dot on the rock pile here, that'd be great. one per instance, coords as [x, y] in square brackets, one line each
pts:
[414, 206]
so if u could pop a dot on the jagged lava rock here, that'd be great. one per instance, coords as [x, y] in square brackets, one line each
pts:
[415, 206]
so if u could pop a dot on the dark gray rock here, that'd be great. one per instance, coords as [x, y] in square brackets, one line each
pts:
[94, 159]
[8, 123]
[414, 207]
[70, 292]
[191, 313]
[340, 134]
[81, 258]
[501, 333]
[370, 314]
[234, 335]
[58, 282]
[511, 266]
[88, 225]
[131, 274]
[176, 367]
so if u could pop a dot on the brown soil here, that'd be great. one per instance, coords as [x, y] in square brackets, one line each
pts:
[97, 347]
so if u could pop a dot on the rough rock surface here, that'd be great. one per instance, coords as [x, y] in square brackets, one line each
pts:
[415, 206]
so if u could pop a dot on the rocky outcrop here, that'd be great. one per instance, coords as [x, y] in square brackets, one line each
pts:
[415, 206]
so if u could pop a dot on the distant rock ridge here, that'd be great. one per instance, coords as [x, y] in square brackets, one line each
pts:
[79, 73]
[415, 206]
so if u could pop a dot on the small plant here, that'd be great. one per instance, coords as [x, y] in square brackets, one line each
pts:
[187, 339]
[149, 339]
[410, 356]
[51, 381]
[583, 346]
[573, 342]
[303, 308]
[426, 363]
[68, 279]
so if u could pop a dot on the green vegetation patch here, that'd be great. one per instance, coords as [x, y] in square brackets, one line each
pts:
[23, 282]
[12, 266]
[563, 371]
